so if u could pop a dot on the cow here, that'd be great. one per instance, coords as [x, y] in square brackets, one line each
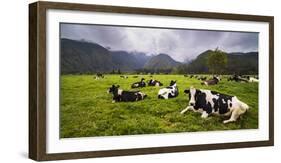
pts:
[139, 84]
[203, 78]
[153, 82]
[237, 78]
[209, 102]
[126, 96]
[169, 92]
[252, 79]
[124, 77]
[135, 76]
[99, 75]
[213, 81]
[191, 76]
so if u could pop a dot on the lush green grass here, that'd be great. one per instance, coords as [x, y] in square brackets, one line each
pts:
[87, 109]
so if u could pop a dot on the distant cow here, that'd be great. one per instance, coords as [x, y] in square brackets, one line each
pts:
[126, 96]
[123, 76]
[169, 92]
[252, 80]
[210, 102]
[213, 81]
[238, 78]
[139, 84]
[135, 76]
[153, 82]
[99, 75]
[202, 78]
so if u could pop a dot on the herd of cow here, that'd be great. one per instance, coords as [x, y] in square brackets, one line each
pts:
[204, 101]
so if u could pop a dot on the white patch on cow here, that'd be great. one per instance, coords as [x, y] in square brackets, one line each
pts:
[157, 84]
[204, 114]
[223, 101]
[119, 91]
[253, 80]
[164, 92]
[210, 97]
[192, 95]
[142, 95]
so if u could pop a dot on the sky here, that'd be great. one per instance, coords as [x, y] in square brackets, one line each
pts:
[180, 44]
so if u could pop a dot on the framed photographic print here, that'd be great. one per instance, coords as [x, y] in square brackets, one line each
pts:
[112, 81]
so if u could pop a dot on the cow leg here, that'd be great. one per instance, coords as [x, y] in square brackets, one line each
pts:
[204, 114]
[234, 116]
[186, 109]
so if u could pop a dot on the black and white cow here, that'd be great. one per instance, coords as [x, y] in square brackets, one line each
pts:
[125, 96]
[124, 76]
[99, 75]
[202, 78]
[153, 82]
[169, 92]
[213, 81]
[139, 84]
[237, 78]
[210, 102]
[252, 79]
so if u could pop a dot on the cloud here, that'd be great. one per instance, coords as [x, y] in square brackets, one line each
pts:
[178, 43]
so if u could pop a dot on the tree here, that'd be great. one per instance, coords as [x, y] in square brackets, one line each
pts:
[216, 61]
[118, 72]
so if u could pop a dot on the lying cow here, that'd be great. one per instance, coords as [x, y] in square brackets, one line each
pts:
[202, 78]
[169, 92]
[213, 81]
[98, 76]
[252, 79]
[125, 96]
[209, 102]
[153, 82]
[139, 84]
[237, 78]
[124, 77]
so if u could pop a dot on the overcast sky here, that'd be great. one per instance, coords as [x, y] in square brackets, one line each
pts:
[179, 44]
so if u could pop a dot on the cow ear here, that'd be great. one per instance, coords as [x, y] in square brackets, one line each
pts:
[186, 91]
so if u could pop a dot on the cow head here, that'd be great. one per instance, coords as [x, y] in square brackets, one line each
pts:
[113, 89]
[192, 95]
[217, 78]
[142, 79]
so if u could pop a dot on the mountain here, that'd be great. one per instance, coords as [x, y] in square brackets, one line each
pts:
[84, 57]
[239, 63]
[161, 62]
[126, 61]
[87, 57]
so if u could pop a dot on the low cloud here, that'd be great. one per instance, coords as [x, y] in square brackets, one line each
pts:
[179, 44]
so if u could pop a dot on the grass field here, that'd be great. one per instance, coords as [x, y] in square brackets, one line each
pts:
[86, 110]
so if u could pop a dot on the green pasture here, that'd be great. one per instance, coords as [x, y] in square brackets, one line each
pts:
[86, 109]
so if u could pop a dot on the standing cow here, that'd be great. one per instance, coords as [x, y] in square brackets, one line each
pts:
[209, 102]
[169, 92]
